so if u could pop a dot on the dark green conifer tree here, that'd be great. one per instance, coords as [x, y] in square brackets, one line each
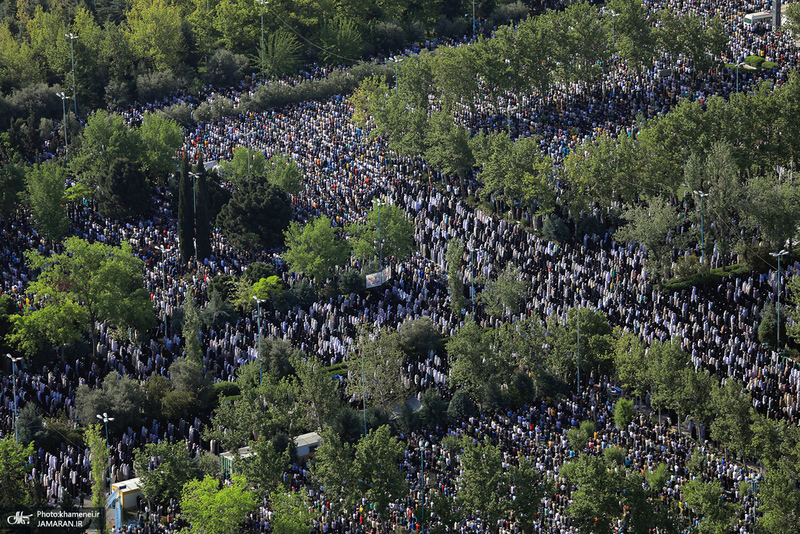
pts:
[202, 216]
[185, 213]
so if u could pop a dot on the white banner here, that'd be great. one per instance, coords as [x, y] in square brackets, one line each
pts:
[379, 278]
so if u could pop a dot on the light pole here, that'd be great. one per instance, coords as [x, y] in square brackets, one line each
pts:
[737, 74]
[14, 370]
[702, 226]
[262, 3]
[164, 250]
[72, 37]
[779, 255]
[260, 360]
[64, 109]
[105, 419]
[473, 20]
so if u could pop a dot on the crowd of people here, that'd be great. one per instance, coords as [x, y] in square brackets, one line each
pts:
[344, 170]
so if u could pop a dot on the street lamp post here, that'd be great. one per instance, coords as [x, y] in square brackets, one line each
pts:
[105, 419]
[64, 110]
[14, 370]
[473, 20]
[72, 37]
[164, 250]
[262, 3]
[779, 255]
[260, 359]
[702, 226]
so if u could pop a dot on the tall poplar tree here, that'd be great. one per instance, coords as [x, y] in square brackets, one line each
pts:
[185, 213]
[202, 215]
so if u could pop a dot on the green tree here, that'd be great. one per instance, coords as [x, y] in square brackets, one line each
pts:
[46, 186]
[284, 173]
[161, 139]
[671, 374]
[153, 29]
[382, 358]
[163, 469]
[396, 233]
[314, 249]
[717, 515]
[733, 421]
[341, 40]
[649, 224]
[96, 443]
[503, 295]
[455, 258]
[246, 163]
[212, 510]
[12, 187]
[630, 362]
[292, 512]
[771, 208]
[124, 191]
[121, 397]
[449, 149]
[318, 391]
[31, 425]
[334, 468]
[624, 412]
[377, 460]
[281, 54]
[256, 215]
[105, 139]
[473, 364]
[105, 279]
[482, 484]
[594, 504]
[14, 490]
[265, 468]
[631, 32]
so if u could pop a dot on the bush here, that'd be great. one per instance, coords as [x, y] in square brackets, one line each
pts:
[202, 113]
[37, 100]
[433, 412]
[418, 336]
[687, 266]
[754, 61]
[389, 36]
[508, 14]
[461, 406]
[588, 226]
[555, 229]
[624, 412]
[156, 85]
[118, 93]
[454, 27]
[225, 68]
[352, 281]
[768, 65]
[180, 113]
[225, 389]
[256, 271]
[222, 107]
